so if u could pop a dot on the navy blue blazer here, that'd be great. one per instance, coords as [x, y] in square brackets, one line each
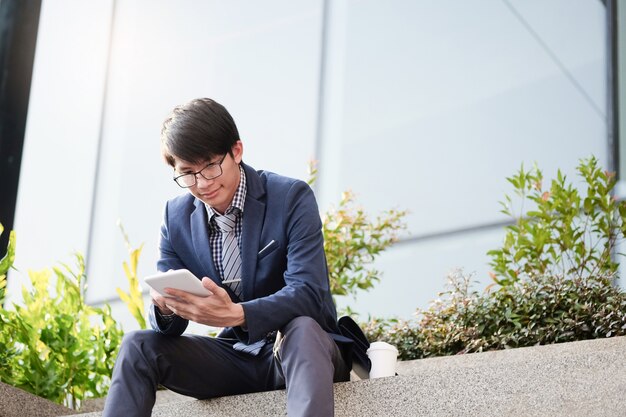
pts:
[289, 278]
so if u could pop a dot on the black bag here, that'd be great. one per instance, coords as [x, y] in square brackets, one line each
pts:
[361, 364]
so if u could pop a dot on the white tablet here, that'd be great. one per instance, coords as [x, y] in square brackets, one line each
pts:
[181, 279]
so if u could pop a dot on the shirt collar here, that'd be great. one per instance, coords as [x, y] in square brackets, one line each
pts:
[239, 199]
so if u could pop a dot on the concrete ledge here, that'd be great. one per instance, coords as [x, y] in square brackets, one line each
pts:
[92, 405]
[576, 379]
[15, 402]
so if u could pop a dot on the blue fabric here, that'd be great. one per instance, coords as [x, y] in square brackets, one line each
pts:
[252, 349]
[287, 280]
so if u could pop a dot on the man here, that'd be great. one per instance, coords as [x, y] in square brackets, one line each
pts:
[255, 239]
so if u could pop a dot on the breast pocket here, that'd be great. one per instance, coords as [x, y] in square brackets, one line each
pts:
[268, 248]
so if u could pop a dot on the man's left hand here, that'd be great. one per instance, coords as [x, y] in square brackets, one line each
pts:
[216, 309]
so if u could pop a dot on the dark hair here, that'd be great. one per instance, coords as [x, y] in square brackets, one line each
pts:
[198, 131]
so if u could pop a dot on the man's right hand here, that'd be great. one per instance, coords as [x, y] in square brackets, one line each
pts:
[159, 301]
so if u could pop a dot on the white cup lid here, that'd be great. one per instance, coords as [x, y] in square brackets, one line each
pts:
[381, 346]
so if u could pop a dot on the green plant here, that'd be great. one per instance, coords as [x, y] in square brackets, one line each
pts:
[6, 263]
[7, 350]
[133, 299]
[553, 279]
[564, 233]
[531, 311]
[353, 240]
[57, 346]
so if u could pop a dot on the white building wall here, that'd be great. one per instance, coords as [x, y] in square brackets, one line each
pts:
[426, 106]
[436, 103]
[53, 212]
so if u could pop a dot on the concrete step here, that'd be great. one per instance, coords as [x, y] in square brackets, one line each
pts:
[15, 402]
[585, 378]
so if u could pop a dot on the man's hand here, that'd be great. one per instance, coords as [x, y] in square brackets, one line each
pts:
[216, 309]
[159, 301]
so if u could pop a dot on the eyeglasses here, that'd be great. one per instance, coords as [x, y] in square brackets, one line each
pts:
[209, 172]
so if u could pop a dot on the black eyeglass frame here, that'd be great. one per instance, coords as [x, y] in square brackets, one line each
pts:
[195, 174]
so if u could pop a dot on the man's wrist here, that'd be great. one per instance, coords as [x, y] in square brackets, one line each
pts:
[239, 315]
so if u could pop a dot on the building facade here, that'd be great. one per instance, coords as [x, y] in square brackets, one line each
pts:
[417, 105]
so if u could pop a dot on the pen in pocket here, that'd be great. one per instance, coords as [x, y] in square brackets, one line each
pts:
[266, 246]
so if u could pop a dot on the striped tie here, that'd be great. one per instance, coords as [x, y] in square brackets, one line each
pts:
[231, 258]
[252, 349]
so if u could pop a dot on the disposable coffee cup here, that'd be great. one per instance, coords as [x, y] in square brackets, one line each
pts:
[383, 357]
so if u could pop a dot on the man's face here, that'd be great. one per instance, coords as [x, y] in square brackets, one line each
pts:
[217, 192]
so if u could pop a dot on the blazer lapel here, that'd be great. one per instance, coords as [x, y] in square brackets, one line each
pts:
[200, 239]
[253, 217]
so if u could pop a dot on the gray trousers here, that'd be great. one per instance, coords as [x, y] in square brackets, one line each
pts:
[206, 367]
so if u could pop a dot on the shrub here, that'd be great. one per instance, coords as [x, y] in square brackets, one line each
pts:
[55, 345]
[553, 276]
[134, 297]
[531, 311]
[6, 263]
[353, 240]
[563, 233]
